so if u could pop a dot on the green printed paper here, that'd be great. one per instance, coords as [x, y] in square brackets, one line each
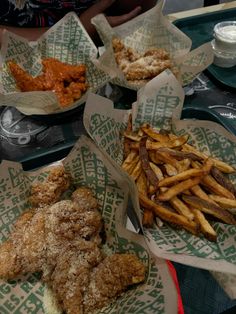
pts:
[160, 104]
[66, 41]
[146, 31]
[89, 167]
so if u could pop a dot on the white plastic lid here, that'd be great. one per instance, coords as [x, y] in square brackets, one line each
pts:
[226, 31]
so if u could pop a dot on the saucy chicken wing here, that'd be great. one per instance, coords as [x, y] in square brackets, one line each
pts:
[66, 80]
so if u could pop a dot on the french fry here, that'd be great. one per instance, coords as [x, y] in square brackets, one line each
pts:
[177, 183]
[187, 174]
[148, 218]
[167, 215]
[178, 188]
[223, 201]
[132, 136]
[130, 162]
[153, 157]
[157, 170]
[179, 155]
[205, 227]
[178, 142]
[166, 158]
[183, 165]
[136, 171]
[180, 177]
[150, 145]
[198, 191]
[142, 184]
[210, 208]
[166, 154]
[184, 176]
[143, 154]
[221, 165]
[147, 129]
[181, 208]
[210, 183]
[223, 180]
[169, 170]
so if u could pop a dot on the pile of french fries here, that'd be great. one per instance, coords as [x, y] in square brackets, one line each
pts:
[177, 183]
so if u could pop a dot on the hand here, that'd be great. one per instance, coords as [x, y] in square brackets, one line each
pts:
[101, 7]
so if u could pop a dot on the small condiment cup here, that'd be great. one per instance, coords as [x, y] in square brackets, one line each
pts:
[224, 44]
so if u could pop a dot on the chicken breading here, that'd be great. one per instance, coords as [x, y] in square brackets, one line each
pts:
[141, 67]
[62, 240]
[110, 278]
[50, 191]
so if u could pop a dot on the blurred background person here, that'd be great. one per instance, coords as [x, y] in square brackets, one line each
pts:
[31, 18]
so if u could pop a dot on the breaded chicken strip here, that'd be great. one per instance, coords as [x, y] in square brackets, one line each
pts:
[83, 281]
[70, 278]
[141, 67]
[9, 264]
[84, 198]
[63, 242]
[50, 191]
[112, 277]
[40, 235]
[23, 251]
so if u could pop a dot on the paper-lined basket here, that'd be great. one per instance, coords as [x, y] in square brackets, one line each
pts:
[67, 41]
[151, 30]
[159, 103]
[88, 167]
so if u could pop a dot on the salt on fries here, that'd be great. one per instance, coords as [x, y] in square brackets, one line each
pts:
[176, 182]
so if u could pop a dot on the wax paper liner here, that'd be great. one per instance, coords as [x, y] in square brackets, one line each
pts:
[151, 30]
[66, 41]
[89, 167]
[160, 103]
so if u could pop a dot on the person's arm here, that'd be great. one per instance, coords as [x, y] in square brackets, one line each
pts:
[28, 33]
[119, 9]
[103, 6]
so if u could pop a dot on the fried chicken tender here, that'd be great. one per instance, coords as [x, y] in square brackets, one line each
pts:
[84, 198]
[24, 250]
[70, 277]
[50, 191]
[62, 240]
[112, 277]
[146, 68]
[137, 67]
[24, 81]
[66, 80]
[9, 265]
[40, 235]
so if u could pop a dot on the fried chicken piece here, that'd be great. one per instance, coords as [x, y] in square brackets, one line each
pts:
[146, 67]
[110, 278]
[9, 265]
[66, 80]
[70, 277]
[50, 191]
[84, 198]
[67, 222]
[83, 281]
[56, 70]
[63, 242]
[24, 251]
[40, 235]
[123, 55]
[24, 81]
[77, 89]
[137, 67]
[159, 53]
